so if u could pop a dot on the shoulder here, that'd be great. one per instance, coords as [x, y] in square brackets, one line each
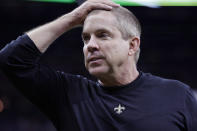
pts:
[76, 81]
[78, 87]
[75, 78]
[172, 93]
[164, 82]
[165, 87]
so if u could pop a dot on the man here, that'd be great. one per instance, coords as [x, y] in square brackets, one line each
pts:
[123, 99]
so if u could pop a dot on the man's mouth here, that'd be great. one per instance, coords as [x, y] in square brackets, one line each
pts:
[94, 59]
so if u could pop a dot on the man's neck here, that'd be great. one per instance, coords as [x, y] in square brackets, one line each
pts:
[119, 78]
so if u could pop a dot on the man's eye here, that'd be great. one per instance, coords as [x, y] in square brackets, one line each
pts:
[103, 35]
[86, 38]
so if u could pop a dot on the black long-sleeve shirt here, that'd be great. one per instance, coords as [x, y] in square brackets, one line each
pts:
[72, 102]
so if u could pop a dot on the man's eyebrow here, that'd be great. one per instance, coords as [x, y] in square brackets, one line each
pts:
[103, 30]
[100, 30]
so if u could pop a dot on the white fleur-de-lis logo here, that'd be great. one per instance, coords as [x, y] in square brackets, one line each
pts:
[119, 109]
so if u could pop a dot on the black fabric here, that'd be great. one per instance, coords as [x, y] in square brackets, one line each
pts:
[72, 102]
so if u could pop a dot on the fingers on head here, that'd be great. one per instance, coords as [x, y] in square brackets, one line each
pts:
[105, 4]
[101, 5]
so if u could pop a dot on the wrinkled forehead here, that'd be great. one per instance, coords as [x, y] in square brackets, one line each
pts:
[99, 18]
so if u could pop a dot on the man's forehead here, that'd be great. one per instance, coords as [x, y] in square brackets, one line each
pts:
[99, 19]
[99, 12]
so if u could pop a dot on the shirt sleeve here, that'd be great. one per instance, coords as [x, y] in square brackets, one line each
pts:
[40, 84]
[191, 110]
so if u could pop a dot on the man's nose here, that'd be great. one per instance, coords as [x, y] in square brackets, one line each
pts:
[92, 45]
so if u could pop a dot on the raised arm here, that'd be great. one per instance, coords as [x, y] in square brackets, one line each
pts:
[66, 22]
[19, 60]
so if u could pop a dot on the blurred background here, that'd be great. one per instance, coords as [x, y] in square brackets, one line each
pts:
[168, 49]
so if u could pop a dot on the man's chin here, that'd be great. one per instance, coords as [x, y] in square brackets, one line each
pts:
[97, 71]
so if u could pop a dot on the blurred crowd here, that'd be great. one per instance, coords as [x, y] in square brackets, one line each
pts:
[16, 114]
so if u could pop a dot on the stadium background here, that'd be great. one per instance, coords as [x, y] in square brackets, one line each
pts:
[168, 49]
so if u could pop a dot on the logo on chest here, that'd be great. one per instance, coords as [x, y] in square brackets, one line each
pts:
[119, 109]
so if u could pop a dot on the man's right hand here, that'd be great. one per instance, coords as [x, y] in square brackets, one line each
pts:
[80, 13]
[44, 35]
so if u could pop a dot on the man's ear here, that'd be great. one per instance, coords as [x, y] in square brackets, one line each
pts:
[134, 45]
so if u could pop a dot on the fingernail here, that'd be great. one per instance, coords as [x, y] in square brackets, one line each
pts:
[118, 5]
